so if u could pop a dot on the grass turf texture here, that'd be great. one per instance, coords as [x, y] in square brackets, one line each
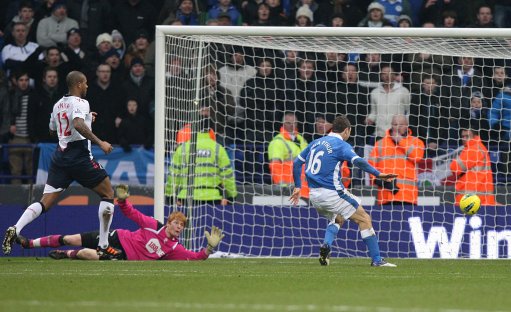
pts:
[43, 284]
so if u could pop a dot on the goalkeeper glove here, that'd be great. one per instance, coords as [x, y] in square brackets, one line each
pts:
[214, 238]
[122, 192]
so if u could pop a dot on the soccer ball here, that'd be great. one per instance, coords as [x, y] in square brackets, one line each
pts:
[470, 204]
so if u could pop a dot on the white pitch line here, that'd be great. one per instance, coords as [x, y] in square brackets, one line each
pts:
[222, 306]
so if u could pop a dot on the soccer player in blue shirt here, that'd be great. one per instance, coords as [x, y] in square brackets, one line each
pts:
[324, 157]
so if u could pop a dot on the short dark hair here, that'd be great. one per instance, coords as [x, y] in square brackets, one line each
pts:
[341, 122]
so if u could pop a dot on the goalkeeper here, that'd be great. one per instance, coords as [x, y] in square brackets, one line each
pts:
[152, 241]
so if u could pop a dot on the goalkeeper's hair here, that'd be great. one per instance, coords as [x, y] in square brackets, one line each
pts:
[341, 122]
[179, 216]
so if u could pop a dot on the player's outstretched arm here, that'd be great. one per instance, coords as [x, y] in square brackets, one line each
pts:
[213, 239]
[82, 128]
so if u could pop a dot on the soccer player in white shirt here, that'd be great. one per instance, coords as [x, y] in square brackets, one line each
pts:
[71, 119]
[324, 158]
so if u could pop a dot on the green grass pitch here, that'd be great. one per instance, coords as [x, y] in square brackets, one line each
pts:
[253, 284]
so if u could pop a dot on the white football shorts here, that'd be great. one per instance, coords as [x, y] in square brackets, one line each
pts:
[330, 203]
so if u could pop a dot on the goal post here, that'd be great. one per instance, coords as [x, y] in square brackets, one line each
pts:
[261, 222]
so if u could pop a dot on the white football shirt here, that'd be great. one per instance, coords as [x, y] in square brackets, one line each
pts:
[61, 119]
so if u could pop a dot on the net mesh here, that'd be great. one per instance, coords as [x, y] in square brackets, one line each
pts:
[246, 86]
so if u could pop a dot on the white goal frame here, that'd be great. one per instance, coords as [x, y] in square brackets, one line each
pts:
[362, 32]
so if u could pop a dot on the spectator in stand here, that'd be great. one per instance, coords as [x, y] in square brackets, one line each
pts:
[304, 16]
[287, 69]
[132, 16]
[398, 152]
[22, 117]
[369, 70]
[134, 128]
[476, 116]
[47, 94]
[105, 98]
[276, 15]
[139, 86]
[52, 58]
[118, 43]
[15, 53]
[138, 48]
[94, 17]
[52, 30]
[494, 85]
[43, 11]
[337, 20]
[404, 21]
[354, 100]
[331, 67]
[428, 118]
[5, 119]
[449, 19]
[264, 17]
[502, 16]
[233, 77]
[119, 72]
[282, 151]
[471, 170]
[484, 17]
[375, 17]
[458, 87]
[103, 45]
[394, 9]
[25, 16]
[220, 102]
[432, 10]
[499, 119]
[185, 12]
[344, 10]
[73, 51]
[500, 113]
[306, 95]
[225, 7]
[425, 63]
[389, 99]
[262, 104]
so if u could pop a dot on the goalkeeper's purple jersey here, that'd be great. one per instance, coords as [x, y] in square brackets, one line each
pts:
[150, 242]
[323, 159]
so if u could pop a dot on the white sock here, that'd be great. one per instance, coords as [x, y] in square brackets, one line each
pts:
[368, 232]
[30, 214]
[105, 213]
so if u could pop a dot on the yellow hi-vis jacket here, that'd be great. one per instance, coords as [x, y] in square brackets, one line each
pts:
[211, 171]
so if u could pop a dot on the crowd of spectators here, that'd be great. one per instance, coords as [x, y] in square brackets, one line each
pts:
[248, 90]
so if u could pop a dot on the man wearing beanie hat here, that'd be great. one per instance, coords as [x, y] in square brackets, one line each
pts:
[94, 18]
[139, 85]
[52, 30]
[392, 9]
[404, 21]
[118, 42]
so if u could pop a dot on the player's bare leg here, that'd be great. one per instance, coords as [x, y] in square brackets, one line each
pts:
[30, 214]
[105, 214]
[363, 219]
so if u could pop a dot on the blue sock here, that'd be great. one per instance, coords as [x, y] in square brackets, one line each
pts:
[374, 249]
[331, 233]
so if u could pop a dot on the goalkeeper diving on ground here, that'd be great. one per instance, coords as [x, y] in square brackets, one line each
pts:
[323, 158]
[152, 241]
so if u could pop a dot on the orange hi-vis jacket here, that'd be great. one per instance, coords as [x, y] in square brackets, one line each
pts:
[185, 134]
[472, 168]
[346, 172]
[281, 152]
[400, 159]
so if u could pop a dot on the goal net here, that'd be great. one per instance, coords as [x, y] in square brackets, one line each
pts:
[261, 93]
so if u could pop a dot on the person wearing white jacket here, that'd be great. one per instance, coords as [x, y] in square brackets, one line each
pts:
[387, 100]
